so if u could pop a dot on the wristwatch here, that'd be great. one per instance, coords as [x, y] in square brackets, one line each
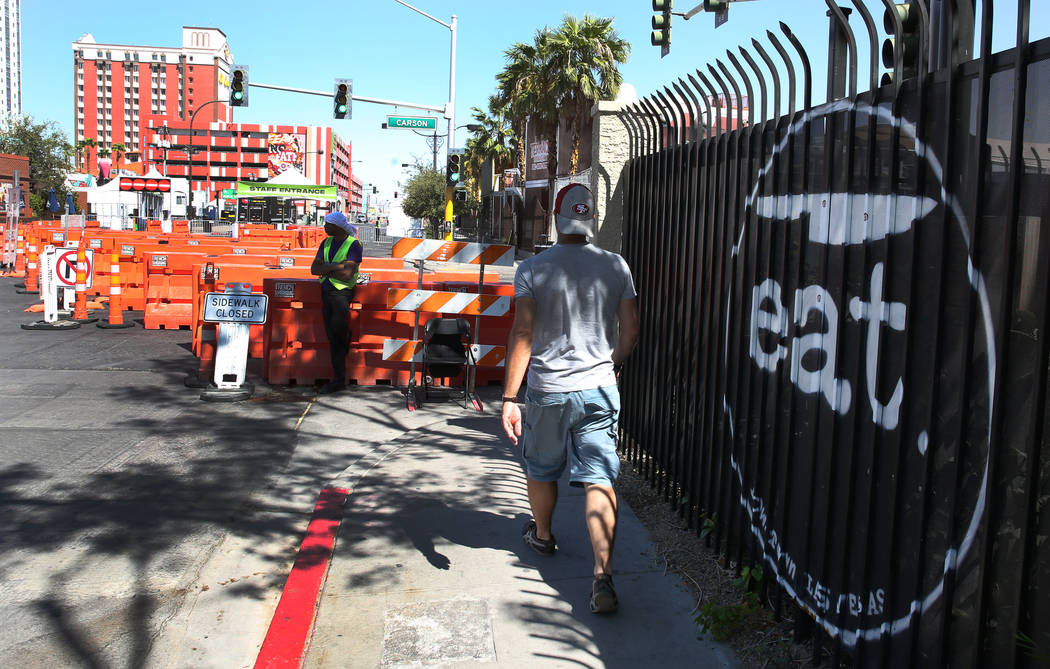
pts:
[510, 399]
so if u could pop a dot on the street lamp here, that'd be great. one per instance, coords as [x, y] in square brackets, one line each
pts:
[207, 162]
[451, 111]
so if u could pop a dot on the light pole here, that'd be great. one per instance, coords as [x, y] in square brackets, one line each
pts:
[207, 162]
[450, 112]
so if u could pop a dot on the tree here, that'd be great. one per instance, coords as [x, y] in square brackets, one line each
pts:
[118, 152]
[494, 140]
[519, 91]
[83, 149]
[582, 58]
[425, 196]
[49, 153]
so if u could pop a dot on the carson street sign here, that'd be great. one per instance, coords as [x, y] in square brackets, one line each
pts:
[414, 122]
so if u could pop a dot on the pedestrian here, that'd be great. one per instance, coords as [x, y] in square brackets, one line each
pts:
[575, 321]
[337, 263]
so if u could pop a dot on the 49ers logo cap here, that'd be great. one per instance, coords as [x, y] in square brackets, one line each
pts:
[574, 210]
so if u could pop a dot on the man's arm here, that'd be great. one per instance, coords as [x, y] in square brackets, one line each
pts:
[519, 350]
[627, 314]
[343, 271]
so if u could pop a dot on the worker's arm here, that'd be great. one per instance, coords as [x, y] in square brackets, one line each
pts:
[627, 314]
[344, 271]
[519, 350]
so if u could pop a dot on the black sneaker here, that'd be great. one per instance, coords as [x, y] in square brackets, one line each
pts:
[603, 596]
[541, 546]
[332, 387]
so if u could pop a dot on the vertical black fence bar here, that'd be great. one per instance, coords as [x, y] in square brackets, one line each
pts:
[955, 636]
[738, 376]
[645, 227]
[674, 270]
[686, 375]
[1012, 390]
[715, 202]
[632, 173]
[664, 271]
[639, 226]
[705, 156]
[649, 336]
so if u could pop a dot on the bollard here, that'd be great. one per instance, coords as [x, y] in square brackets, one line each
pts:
[80, 312]
[32, 273]
[20, 257]
[116, 309]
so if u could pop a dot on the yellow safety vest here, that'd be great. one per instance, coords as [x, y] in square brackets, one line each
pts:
[340, 256]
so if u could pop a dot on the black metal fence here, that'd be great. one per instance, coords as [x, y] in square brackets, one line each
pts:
[843, 367]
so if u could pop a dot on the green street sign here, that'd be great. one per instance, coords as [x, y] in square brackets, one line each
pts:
[229, 193]
[414, 122]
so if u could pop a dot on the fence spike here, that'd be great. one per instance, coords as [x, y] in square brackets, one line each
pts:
[694, 107]
[747, 87]
[851, 40]
[776, 75]
[735, 92]
[807, 75]
[714, 100]
[760, 78]
[790, 71]
[873, 44]
[707, 106]
[680, 119]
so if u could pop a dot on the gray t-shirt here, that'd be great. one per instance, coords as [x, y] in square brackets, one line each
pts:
[577, 288]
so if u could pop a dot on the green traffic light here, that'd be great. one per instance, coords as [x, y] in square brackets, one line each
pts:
[341, 109]
[238, 95]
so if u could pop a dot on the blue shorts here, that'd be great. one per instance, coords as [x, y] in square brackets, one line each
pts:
[577, 427]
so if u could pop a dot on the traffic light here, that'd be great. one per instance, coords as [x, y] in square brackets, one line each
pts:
[452, 170]
[460, 195]
[239, 86]
[374, 190]
[909, 41]
[341, 96]
[661, 36]
[715, 5]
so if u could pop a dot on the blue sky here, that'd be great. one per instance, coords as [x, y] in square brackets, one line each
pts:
[394, 53]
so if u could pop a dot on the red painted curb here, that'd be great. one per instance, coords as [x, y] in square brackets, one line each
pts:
[294, 617]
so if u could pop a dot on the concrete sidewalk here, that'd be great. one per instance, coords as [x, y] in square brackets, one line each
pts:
[429, 568]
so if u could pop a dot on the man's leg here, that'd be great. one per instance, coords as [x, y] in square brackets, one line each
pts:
[600, 510]
[543, 497]
[335, 305]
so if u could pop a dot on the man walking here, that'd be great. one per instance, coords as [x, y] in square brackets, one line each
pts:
[575, 321]
[336, 263]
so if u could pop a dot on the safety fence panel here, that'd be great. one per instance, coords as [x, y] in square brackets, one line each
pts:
[842, 371]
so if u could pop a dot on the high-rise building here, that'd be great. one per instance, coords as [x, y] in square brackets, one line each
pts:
[120, 89]
[11, 62]
[146, 97]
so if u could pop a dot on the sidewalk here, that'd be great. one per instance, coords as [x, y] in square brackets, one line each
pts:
[430, 570]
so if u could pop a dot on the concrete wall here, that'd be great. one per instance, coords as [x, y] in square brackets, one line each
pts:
[611, 149]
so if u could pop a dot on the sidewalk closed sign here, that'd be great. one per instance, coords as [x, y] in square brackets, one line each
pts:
[232, 308]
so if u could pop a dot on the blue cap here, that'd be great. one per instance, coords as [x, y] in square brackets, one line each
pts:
[338, 219]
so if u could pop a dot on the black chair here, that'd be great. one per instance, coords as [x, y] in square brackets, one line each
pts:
[446, 352]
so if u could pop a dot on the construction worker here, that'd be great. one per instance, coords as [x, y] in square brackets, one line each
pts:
[337, 263]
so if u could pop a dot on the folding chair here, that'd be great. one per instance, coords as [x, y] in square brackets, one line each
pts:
[446, 352]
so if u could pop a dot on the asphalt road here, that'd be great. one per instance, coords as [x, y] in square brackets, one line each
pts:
[146, 528]
[122, 490]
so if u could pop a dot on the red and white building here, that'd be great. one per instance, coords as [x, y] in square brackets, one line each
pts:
[146, 97]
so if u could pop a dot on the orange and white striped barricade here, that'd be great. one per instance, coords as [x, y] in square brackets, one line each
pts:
[32, 270]
[404, 350]
[49, 294]
[437, 250]
[116, 305]
[20, 256]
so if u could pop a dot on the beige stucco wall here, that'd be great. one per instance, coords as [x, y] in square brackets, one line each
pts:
[610, 146]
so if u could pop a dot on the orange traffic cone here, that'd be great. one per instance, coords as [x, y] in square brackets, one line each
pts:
[32, 272]
[80, 312]
[20, 256]
[116, 309]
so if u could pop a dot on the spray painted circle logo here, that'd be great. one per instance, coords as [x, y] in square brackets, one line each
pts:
[862, 469]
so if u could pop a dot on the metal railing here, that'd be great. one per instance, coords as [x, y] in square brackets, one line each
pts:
[842, 372]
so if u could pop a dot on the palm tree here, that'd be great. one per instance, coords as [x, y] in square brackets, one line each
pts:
[118, 152]
[84, 148]
[491, 139]
[520, 93]
[582, 58]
